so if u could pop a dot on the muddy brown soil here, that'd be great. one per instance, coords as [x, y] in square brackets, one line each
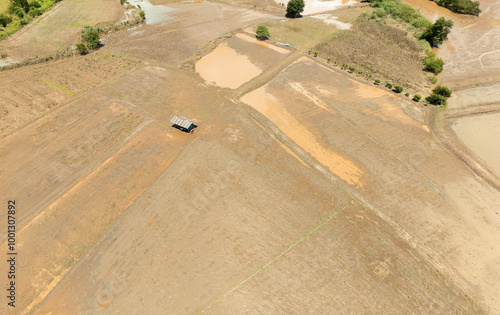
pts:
[303, 190]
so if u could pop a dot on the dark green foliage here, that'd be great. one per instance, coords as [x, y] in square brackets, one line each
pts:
[35, 12]
[294, 8]
[35, 4]
[398, 88]
[82, 49]
[433, 64]
[4, 20]
[407, 94]
[436, 99]
[262, 32]
[417, 98]
[351, 69]
[91, 38]
[23, 22]
[438, 32]
[461, 6]
[442, 90]
[377, 82]
[388, 85]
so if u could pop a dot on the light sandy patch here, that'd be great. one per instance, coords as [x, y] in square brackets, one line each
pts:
[481, 133]
[299, 88]
[275, 111]
[224, 67]
[262, 43]
[332, 20]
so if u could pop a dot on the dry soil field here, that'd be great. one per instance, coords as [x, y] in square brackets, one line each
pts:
[302, 190]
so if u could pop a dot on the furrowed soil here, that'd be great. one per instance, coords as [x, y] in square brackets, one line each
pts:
[29, 93]
[303, 190]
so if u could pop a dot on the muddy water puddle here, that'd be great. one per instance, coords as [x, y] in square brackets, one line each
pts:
[154, 13]
[276, 112]
[481, 134]
[318, 6]
[224, 67]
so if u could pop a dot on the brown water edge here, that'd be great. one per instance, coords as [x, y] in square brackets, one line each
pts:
[224, 67]
[481, 134]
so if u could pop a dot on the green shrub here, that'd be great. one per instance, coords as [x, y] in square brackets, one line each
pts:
[377, 82]
[417, 98]
[351, 69]
[407, 94]
[122, 2]
[398, 88]
[35, 12]
[5, 20]
[23, 22]
[433, 64]
[388, 85]
[442, 90]
[316, 54]
[81, 48]
[436, 99]
[142, 14]
[91, 38]
[434, 80]
[3, 55]
[35, 4]
[262, 32]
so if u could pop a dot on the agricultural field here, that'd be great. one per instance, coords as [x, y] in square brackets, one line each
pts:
[304, 188]
[60, 28]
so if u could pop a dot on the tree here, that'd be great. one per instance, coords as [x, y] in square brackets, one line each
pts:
[438, 32]
[417, 98]
[262, 32]
[398, 88]
[295, 7]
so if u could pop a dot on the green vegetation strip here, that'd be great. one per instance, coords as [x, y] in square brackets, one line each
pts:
[61, 88]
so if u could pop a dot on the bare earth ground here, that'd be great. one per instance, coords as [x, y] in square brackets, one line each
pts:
[28, 93]
[190, 28]
[60, 27]
[310, 193]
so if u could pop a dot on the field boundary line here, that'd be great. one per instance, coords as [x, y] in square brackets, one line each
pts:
[276, 258]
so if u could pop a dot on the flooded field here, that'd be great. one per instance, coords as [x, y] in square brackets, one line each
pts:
[154, 13]
[317, 6]
[224, 67]
[481, 133]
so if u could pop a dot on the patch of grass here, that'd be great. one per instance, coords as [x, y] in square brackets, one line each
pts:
[304, 33]
[383, 51]
[61, 88]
